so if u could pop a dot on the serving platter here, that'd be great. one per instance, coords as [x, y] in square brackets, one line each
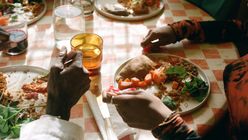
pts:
[99, 6]
[187, 106]
[19, 75]
[31, 103]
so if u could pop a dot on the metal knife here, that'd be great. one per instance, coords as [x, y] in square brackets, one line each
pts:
[106, 116]
[99, 108]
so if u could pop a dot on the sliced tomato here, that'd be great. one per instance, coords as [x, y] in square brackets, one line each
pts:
[124, 85]
[158, 76]
[142, 84]
[148, 78]
[4, 21]
[127, 80]
[135, 81]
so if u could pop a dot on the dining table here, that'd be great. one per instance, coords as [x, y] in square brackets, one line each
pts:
[121, 41]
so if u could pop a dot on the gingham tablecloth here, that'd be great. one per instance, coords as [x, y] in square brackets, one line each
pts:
[121, 42]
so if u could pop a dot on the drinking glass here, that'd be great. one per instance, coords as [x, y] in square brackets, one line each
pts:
[91, 46]
[68, 20]
[18, 35]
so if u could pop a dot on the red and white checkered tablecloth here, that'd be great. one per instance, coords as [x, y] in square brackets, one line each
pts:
[121, 42]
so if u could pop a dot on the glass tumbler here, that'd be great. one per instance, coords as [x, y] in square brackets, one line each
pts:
[18, 35]
[68, 20]
[91, 46]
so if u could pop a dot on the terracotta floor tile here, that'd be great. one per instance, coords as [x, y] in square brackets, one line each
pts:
[228, 61]
[178, 12]
[191, 46]
[196, 18]
[3, 64]
[90, 125]
[84, 99]
[225, 45]
[211, 53]
[18, 57]
[179, 53]
[202, 63]
[77, 111]
[202, 129]
[188, 119]
[214, 87]
[168, 20]
[43, 27]
[49, 12]
[218, 113]
[218, 74]
[188, 6]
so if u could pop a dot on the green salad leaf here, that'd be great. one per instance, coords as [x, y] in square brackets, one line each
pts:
[169, 102]
[10, 121]
[178, 71]
[197, 88]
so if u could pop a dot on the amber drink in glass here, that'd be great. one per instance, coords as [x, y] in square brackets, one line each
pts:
[91, 47]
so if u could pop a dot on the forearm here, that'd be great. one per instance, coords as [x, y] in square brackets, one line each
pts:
[210, 31]
[174, 128]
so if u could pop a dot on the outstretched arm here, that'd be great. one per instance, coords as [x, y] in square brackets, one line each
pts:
[210, 31]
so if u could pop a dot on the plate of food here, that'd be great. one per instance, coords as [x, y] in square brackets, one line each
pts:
[23, 96]
[31, 10]
[180, 84]
[129, 10]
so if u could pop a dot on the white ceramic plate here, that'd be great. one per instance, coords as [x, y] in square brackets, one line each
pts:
[189, 105]
[99, 6]
[19, 75]
[27, 15]
[40, 15]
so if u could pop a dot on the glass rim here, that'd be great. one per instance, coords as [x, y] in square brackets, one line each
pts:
[98, 36]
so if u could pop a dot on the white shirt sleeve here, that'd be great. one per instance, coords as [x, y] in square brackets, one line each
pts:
[51, 128]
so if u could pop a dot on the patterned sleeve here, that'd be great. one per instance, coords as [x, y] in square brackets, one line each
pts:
[174, 128]
[211, 31]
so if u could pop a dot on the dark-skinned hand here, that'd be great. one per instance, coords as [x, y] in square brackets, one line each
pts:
[141, 110]
[66, 84]
[158, 37]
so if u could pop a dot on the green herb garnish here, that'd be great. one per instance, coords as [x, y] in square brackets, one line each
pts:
[197, 88]
[178, 71]
[10, 121]
[169, 102]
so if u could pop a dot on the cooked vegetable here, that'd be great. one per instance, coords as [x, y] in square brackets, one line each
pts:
[148, 78]
[177, 71]
[169, 102]
[10, 121]
[197, 89]
[135, 81]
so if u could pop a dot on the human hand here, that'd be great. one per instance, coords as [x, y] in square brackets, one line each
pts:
[66, 84]
[158, 37]
[141, 110]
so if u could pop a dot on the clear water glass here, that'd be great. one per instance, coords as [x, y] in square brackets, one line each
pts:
[68, 20]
